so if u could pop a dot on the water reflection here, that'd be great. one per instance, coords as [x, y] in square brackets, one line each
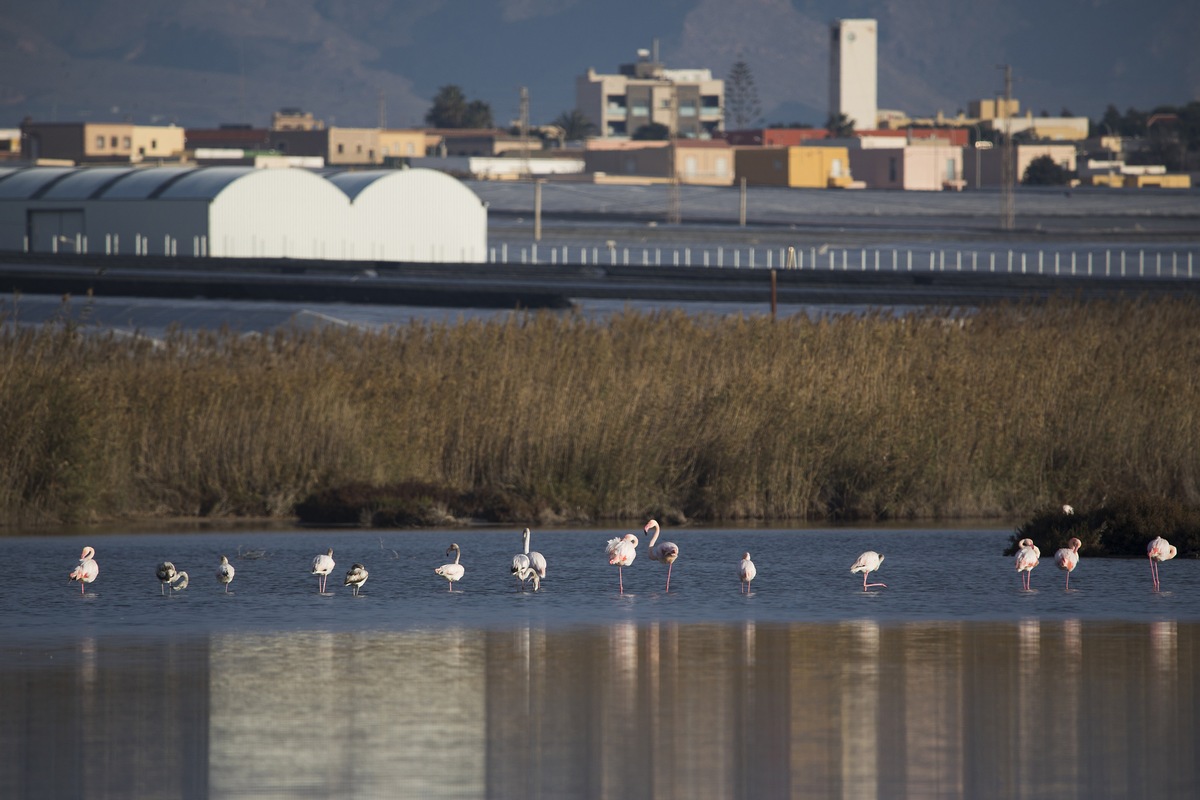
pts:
[661, 710]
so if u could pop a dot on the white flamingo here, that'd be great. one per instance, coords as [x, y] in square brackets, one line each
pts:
[1027, 558]
[1067, 558]
[356, 576]
[87, 570]
[225, 572]
[166, 574]
[321, 567]
[867, 563]
[622, 552]
[452, 572]
[1159, 549]
[529, 565]
[666, 552]
[746, 573]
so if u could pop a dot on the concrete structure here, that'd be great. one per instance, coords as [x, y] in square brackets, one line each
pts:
[853, 71]
[810, 167]
[240, 212]
[1058, 129]
[775, 137]
[921, 167]
[705, 163]
[344, 147]
[511, 168]
[101, 142]
[477, 142]
[688, 102]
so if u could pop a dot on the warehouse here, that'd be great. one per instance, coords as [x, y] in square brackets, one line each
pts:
[240, 212]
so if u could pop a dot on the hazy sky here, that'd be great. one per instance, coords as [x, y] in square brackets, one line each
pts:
[352, 62]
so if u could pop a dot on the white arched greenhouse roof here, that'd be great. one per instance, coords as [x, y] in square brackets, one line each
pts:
[414, 215]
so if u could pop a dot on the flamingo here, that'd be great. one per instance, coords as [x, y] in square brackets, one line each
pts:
[321, 567]
[867, 563]
[746, 572]
[225, 572]
[666, 552]
[181, 581]
[622, 552]
[1159, 549]
[87, 570]
[1067, 558]
[529, 565]
[356, 576]
[1027, 558]
[452, 572]
[166, 574]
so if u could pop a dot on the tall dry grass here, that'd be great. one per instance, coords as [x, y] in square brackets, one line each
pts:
[992, 414]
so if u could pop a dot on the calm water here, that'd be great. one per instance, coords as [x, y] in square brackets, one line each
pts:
[950, 682]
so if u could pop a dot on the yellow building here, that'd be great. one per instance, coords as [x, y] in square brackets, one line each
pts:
[395, 143]
[1172, 181]
[795, 167]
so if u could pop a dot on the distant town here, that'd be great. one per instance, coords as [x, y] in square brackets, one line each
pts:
[650, 123]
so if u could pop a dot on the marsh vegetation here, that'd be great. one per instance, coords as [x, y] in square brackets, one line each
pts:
[542, 417]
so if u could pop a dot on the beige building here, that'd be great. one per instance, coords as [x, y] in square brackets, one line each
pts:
[688, 102]
[924, 166]
[707, 163]
[991, 161]
[102, 142]
[397, 143]
[799, 167]
[338, 146]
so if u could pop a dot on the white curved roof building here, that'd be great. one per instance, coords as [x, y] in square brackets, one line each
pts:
[242, 212]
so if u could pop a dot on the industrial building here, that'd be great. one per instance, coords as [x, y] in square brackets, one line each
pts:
[240, 212]
[795, 167]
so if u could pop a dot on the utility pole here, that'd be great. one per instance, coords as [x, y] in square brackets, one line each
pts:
[525, 130]
[674, 214]
[1007, 168]
[382, 110]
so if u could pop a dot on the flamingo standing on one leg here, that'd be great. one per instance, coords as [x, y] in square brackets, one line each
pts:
[452, 572]
[1027, 558]
[166, 574]
[225, 572]
[867, 563]
[1067, 558]
[321, 567]
[666, 552]
[746, 573]
[356, 576]
[1159, 549]
[87, 570]
[622, 552]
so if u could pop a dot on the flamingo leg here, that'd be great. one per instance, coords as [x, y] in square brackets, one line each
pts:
[669, 575]
[620, 579]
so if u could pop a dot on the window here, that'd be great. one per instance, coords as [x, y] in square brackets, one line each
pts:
[689, 165]
[721, 166]
[126, 142]
[99, 142]
[113, 141]
[835, 169]
[154, 144]
[341, 148]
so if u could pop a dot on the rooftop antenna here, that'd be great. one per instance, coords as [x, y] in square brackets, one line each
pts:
[525, 129]
[1008, 209]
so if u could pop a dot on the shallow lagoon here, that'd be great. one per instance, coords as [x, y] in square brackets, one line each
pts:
[950, 682]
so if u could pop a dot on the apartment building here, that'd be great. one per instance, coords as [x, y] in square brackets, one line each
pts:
[688, 102]
[101, 142]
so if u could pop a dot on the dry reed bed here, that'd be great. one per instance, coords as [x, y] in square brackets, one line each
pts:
[991, 415]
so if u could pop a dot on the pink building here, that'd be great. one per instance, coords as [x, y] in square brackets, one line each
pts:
[921, 167]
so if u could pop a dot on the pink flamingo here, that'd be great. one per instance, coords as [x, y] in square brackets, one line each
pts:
[622, 552]
[746, 573]
[1027, 558]
[1158, 550]
[88, 569]
[455, 571]
[867, 563]
[1068, 558]
[321, 567]
[666, 552]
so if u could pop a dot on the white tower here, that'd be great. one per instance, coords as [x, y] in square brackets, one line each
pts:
[852, 71]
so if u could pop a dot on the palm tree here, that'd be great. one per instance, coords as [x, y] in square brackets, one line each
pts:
[574, 125]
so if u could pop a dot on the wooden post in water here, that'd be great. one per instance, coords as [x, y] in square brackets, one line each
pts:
[742, 206]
